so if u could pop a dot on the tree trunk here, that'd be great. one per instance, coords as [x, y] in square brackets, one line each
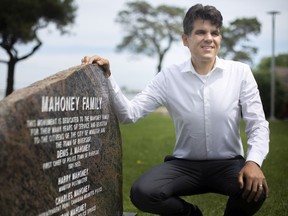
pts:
[10, 77]
[160, 60]
[12, 62]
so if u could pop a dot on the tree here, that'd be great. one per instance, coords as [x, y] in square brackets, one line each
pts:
[263, 81]
[235, 37]
[20, 22]
[280, 60]
[150, 30]
[262, 76]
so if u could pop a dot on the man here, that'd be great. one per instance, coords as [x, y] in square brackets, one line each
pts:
[205, 97]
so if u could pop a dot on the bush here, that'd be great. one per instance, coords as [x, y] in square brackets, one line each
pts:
[281, 95]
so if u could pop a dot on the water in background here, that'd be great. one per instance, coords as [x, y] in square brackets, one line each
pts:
[2, 93]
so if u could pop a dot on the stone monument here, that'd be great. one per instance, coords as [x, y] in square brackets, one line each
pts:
[60, 148]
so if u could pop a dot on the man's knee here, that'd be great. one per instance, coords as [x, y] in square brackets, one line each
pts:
[136, 194]
[239, 206]
[144, 196]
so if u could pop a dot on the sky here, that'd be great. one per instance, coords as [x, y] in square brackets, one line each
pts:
[96, 32]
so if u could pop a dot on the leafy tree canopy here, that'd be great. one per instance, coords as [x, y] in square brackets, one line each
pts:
[20, 19]
[280, 60]
[150, 30]
[235, 37]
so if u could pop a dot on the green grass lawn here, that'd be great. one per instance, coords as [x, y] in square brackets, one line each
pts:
[148, 141]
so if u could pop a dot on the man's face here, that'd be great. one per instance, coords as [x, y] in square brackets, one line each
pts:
[203, 42]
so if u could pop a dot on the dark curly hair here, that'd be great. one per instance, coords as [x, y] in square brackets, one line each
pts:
[199, 11]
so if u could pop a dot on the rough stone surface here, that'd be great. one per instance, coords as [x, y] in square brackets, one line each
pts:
[60, 147]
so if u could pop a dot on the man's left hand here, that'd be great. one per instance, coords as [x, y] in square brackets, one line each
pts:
[252, 179]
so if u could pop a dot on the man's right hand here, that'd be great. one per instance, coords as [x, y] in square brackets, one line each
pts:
[102, 62]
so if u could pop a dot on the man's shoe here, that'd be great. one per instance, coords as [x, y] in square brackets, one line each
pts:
[195, 211]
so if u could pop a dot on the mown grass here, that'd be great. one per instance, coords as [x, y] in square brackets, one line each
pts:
[148, 141]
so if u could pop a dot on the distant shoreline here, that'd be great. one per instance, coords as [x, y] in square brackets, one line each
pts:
[2, 94]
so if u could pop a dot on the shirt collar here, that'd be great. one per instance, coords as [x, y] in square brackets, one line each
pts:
[188, 67]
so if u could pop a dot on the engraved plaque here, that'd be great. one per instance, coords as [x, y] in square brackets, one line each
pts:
[60, 147]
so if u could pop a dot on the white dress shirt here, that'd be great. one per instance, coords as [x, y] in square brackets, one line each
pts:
[206, 110]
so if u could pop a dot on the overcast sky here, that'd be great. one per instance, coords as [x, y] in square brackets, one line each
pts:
[95, 32]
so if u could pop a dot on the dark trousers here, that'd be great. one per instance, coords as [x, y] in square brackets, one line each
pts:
[158, 191]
